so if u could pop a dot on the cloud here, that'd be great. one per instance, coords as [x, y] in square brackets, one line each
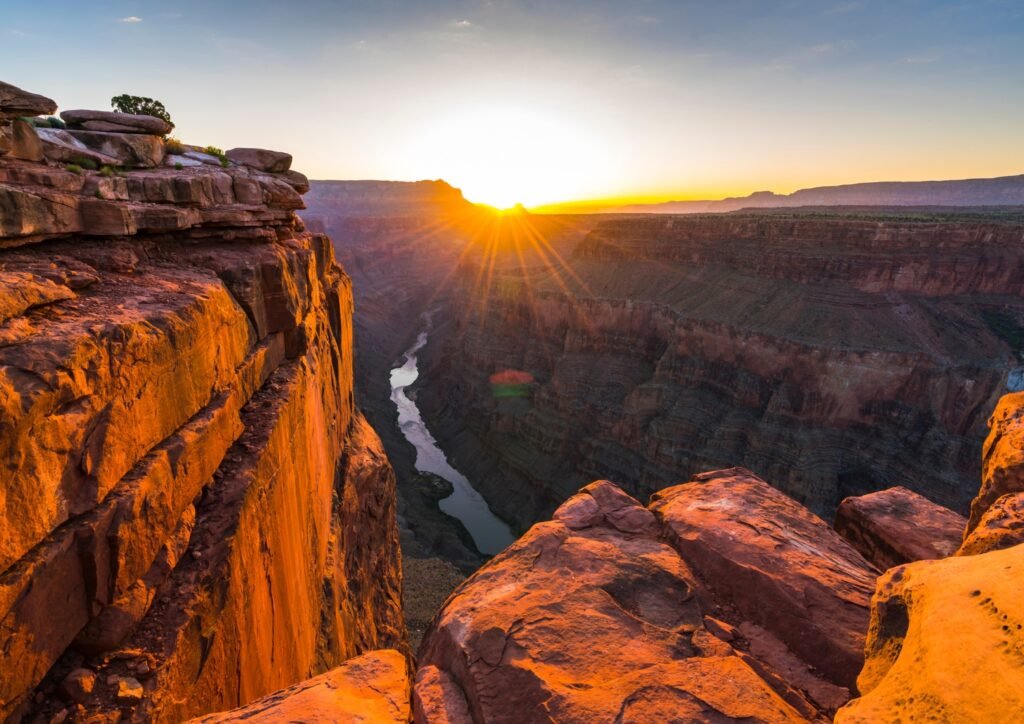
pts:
[131, 19]
[19, 33]
[922, 59]
[463, 24]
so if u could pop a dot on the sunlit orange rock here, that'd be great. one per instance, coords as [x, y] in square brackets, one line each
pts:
[373, 688]
[946, 642]
[897, 525]
[193, 512]
[775, 564]
[1003, 458]
[606, 611]
[1001, 526]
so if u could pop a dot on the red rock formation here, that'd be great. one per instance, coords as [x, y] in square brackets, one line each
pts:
[775, 564]
[193, 511]
[610, 611]
[897, 525]
[945, 642]
[1001, 526]
[373, 687]
[1002, 470]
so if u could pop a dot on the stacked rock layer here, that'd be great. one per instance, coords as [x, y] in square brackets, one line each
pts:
[194, 513]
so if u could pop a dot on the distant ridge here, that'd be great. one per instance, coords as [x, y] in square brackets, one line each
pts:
[1001, 191]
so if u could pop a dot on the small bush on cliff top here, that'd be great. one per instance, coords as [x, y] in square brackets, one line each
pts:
[74, 168]
[173, 145]
[178, 166]
[140, 106]
[214, 151]
[107, 171]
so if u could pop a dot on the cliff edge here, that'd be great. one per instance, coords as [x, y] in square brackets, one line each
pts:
[193, 513]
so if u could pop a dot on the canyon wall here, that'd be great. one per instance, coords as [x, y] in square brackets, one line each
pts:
[194, 512]
[832, 356]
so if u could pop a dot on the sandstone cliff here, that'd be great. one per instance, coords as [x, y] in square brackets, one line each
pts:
[832, 356]
[194, 513]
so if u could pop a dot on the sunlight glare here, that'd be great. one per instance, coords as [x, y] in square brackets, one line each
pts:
[506, 155]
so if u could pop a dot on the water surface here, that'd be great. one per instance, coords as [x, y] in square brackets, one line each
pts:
[489, 532]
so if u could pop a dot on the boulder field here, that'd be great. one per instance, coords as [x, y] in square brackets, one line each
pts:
[195, 516]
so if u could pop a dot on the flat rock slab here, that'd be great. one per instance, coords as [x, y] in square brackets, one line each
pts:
[16, 102]
[896, 526]
[261, 159]
[373, 687]
[116, 122]
[776, 563]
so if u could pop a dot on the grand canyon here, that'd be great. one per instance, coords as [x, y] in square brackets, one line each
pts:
[575, 423]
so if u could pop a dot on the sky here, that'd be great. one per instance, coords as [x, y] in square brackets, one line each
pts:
[546, 101]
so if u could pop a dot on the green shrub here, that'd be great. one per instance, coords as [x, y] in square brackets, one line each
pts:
[224, 162]
[107, 172]
[178, 166]
[173, 145]
[74, 168]
[55, 122]
[86, 163]
[141, 106]
[214, 151]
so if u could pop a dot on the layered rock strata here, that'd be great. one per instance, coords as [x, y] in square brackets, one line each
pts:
[833, 356]
[721, 600]
[194, 512]
[896, 526]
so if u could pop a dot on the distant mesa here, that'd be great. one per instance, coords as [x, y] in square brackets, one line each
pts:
[1000, 191]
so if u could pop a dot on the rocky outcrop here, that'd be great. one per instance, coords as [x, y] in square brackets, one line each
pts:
[722, 600]
[187, 480]
[945, 642]
[1001, 526]
[373, 687]
[896, 526]
[817, 351]
[1002, 470]
[261, 159]
[112, 122]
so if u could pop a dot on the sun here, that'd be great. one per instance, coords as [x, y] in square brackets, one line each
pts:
[505, 155]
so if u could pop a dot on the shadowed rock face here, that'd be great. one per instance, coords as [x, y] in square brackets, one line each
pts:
[832, 356]
[898, 526]
[722, 600]
[193, 512]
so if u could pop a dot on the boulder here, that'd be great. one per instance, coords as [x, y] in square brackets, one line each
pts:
[296, 180]
[261, 159]
[775, 564]
[945, 643]
[78, 685]
[373, 687]
[1002, 526]
[130, 149]
[896, 526]
[60, 146]
[16, 102]
[592, 617]
[25, 142]
[113, 122]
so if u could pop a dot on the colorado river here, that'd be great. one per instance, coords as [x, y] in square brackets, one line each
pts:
[489, 532]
